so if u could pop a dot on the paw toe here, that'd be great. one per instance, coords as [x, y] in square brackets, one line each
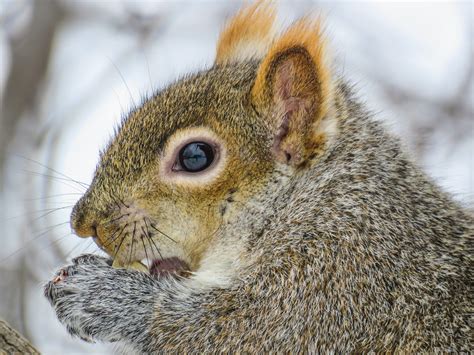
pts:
[48, 291]
[91, 259]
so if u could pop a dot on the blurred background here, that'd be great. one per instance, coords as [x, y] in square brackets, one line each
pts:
[69, 70]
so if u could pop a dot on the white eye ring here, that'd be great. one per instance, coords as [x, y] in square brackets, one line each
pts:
[171, 166]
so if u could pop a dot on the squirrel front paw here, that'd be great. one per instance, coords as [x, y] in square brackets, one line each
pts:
[99, 303]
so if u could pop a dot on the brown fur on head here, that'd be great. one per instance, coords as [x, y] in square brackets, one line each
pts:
[264, 113]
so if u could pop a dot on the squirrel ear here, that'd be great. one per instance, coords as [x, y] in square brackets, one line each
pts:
[293, 90]
[247, 35]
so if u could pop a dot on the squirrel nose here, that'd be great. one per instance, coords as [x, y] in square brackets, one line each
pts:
[84, 230]
[81, 225]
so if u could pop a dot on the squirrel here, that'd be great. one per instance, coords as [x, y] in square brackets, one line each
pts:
[257, 206]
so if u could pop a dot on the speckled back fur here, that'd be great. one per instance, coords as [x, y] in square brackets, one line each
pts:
[363, 253]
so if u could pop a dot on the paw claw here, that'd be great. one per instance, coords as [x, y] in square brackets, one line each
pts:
[61, 275]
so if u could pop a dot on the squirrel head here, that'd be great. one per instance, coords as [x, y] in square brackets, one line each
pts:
[192, 157]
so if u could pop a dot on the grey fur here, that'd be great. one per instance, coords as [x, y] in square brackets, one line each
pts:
[380, 260]
[358, 251]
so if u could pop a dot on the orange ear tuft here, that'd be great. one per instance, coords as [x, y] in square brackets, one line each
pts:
[248, 34]
[293, 91]
[306, 34]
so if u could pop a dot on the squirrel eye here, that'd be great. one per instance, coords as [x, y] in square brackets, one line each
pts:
[196, 156]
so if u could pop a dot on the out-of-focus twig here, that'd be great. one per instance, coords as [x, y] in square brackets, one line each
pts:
[30, 54]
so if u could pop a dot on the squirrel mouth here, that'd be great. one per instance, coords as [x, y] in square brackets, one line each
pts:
[167, 267]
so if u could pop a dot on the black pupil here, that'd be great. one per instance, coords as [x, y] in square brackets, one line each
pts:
[196, 156]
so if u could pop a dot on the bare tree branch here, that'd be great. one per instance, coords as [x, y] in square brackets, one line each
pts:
[12, 342]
